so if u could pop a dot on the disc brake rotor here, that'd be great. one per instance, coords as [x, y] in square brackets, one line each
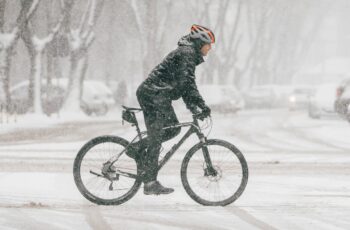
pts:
[217, 174]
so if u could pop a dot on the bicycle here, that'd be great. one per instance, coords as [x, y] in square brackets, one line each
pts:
[213, 172]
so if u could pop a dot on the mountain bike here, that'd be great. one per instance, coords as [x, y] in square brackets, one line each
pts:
[213, 172]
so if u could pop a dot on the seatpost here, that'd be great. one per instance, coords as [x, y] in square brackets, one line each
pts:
[137, 127]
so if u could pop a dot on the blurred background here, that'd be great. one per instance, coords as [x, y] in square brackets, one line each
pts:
[74, 56]
[277, 81]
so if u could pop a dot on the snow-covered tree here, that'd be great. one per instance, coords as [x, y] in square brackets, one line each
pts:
[80, 40]
[9, 38]
[36, 47]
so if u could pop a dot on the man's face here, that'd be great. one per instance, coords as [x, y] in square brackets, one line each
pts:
[205, 49]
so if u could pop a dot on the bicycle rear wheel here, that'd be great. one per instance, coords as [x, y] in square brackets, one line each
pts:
[228, 181]
[97, 179]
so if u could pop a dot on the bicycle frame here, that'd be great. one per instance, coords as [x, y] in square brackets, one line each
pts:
[194, 128]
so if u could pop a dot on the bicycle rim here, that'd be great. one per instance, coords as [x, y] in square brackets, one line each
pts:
[223, 188]
[88, 166]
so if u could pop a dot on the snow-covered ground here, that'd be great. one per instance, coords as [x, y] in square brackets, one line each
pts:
[299, 177]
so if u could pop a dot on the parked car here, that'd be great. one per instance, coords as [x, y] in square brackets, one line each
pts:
[342, 101]
[260, 97]
[321, 103]
[96, 99]
[299, 98]
[222, 98]
[51, 98]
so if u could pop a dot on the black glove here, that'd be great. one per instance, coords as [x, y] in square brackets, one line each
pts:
[206, 111]
[195, 110]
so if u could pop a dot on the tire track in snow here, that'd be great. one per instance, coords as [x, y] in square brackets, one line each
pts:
[250, 219]
[178, 220]
[255, 128]
[95, 219]
[260, 137]
[61, 133]
[299, 133]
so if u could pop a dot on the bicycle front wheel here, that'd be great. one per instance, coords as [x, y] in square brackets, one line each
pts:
[224, 182]
[101, 181]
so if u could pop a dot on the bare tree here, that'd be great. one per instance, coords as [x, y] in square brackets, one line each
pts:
[8, 40]
[284, 39]
[36, 47]
[80, 40]
[304, 22]
[224, 60]
[152, 26]
[275, 37]
[259, 14]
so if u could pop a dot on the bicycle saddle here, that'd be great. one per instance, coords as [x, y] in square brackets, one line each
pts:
[131, 108]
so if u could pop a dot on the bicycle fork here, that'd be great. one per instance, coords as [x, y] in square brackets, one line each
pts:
[209, 170]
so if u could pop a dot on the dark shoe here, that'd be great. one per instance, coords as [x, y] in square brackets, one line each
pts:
[155, 188]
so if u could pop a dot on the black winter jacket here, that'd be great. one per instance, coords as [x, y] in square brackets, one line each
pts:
[174, 77]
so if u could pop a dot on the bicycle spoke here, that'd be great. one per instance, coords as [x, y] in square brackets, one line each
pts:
[215, 187]
[123, 172]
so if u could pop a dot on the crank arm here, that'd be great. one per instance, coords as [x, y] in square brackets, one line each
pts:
[130, 175]
[96, 174]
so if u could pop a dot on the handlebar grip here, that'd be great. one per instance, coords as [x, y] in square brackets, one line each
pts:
[200, 116]
[196, 115]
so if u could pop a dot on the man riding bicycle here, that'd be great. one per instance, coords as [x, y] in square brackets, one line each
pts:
[173, 78]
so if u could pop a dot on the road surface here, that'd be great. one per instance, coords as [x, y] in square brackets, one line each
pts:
[298, 178]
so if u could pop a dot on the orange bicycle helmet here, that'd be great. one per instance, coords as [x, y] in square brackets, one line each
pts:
[203, 33]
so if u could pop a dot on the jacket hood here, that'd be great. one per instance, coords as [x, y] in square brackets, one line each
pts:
[188, 41]
[194, 43]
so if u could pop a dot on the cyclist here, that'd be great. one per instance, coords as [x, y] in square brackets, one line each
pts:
[173, 78]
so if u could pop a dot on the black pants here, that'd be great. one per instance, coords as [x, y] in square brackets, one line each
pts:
[158, 113]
